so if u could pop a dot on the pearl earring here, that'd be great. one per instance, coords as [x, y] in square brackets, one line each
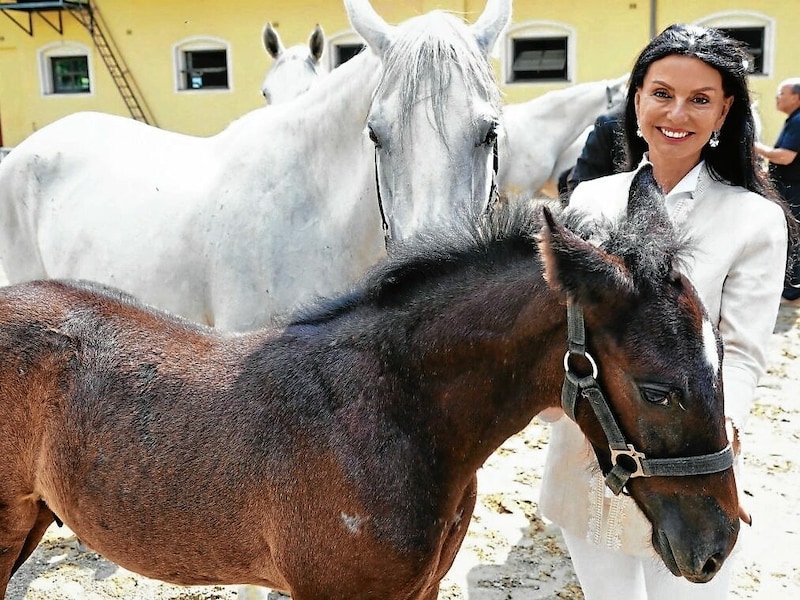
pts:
[639, 131]
[714, 141]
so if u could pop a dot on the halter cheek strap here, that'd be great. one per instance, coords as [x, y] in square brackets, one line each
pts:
[626, 460]
[493, 194]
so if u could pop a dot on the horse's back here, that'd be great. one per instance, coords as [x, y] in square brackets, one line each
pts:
[95, 196]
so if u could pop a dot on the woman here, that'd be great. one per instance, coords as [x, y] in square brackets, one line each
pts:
[688, 99]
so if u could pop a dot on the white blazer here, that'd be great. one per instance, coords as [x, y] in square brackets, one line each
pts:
[737, 266]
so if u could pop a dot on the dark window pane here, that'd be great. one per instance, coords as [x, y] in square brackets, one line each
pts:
[753, 38]
[538, 59]
[70, 74]
[345, 52]
[206, 69]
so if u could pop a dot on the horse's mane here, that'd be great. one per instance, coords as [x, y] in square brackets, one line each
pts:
[424, 46]
[648, 248]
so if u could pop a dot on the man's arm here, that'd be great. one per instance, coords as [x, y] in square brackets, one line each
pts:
[777, 156]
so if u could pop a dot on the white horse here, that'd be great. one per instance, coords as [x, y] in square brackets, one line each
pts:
[282, 205]
[539, 131]
[295, 68]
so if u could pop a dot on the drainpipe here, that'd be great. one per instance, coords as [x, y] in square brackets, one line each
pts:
[653, 11]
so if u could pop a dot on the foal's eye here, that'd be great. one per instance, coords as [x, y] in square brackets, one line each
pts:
[660, 393]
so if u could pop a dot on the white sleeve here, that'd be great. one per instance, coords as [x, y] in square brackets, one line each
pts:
[748, 310]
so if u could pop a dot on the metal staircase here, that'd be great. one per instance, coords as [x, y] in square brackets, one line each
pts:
[87, 14]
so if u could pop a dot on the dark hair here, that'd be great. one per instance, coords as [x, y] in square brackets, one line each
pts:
[734, 160]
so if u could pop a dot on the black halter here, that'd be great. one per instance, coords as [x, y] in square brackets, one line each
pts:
[493, 195]
[626, 460]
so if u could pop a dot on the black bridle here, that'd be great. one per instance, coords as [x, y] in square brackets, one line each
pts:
[493, 195]
[626, 460]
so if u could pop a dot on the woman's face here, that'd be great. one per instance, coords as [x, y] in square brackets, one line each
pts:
[679, 105]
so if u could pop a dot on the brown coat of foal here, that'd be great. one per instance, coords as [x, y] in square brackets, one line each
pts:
[337, 457]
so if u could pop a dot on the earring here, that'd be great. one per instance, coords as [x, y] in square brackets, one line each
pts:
[714, 141]
[639, 131]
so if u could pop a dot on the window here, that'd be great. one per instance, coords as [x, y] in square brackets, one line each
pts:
[345, 52]
[65, 68]
[539, 52]
[343, 47]
[755, 30]
[753, 38]
[70, 74]
[542, 59]
[202, 64]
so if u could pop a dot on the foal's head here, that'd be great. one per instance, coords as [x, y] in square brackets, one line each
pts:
[658, 363]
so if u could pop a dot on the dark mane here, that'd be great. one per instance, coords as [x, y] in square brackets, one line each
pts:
[509, 232]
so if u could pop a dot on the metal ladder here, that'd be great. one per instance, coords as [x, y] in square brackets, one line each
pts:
[91, 19]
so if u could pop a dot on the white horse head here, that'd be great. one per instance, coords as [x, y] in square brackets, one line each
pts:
[295, 69]
[435, 114]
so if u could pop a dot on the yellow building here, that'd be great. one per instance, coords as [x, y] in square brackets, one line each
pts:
[195, 65]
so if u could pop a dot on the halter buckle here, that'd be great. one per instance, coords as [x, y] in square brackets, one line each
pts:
[634, 455]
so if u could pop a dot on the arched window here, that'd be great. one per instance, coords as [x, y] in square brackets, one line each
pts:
[202, 64]
[342, 47]
[539, 51]
[65, 68]
[757, 31]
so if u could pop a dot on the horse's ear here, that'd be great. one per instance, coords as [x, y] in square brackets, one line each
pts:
[580, 269]
[272, 41]
[495, 17]
[369, 25]
[316, 43]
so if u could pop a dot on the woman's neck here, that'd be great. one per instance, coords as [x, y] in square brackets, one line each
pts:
[668, 173]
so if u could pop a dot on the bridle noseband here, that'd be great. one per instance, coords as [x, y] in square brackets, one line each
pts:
[493, 194]
[626, 460]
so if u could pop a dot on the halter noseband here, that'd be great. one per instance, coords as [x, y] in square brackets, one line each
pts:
[493, 195]
[627, 461]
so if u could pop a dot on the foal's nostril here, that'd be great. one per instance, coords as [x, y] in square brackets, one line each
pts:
[713, 564]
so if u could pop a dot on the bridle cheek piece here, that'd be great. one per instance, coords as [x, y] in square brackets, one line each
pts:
[626, 460]
[494, 194]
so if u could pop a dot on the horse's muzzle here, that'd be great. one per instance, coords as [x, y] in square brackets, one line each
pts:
[698, 563]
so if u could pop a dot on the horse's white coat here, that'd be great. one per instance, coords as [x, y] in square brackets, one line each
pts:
[278, 208]
[295, 68]
[539, 131]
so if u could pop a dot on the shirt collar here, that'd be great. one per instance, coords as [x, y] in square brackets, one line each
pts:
[687, 185]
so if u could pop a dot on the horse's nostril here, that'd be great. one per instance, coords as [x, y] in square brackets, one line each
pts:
[713, 564]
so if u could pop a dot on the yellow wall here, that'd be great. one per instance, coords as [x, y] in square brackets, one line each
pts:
[608, 35]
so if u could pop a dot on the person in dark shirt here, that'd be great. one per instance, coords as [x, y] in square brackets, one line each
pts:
[784, 167]
[603, 153]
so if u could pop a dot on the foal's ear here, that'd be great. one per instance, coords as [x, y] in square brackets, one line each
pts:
[578, 268]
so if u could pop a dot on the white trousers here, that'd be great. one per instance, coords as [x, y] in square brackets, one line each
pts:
[606, 574]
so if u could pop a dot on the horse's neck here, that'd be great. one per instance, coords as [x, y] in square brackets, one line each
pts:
[332, 112]
[570, 111]
[494, 378]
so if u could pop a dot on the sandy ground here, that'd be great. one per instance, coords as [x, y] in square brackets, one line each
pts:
[509, 553]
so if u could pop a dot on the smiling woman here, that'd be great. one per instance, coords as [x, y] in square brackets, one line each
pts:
[688, 99]
[681, 106]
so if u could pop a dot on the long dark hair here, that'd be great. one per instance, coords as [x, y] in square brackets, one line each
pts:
[734, 160]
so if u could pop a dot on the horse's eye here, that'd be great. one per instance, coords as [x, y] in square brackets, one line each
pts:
[660, 393]
[373, 136]
[491, 135]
